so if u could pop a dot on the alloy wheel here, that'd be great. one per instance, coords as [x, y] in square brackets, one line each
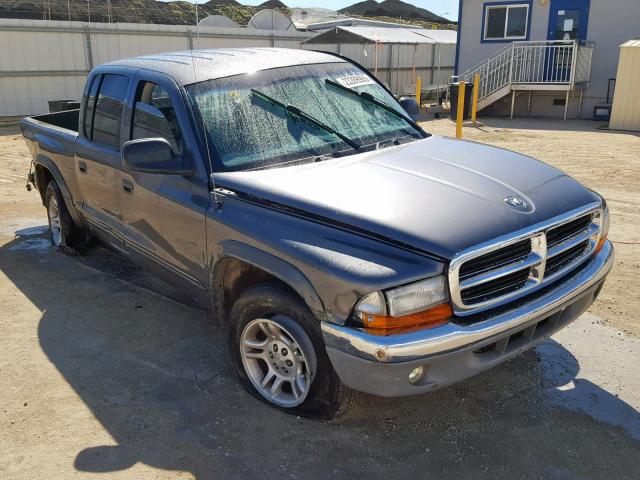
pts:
[279, 359]
[53, 212]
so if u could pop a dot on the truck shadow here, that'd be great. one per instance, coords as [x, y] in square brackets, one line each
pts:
[155, 373]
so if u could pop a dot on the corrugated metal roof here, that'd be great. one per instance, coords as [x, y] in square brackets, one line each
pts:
[411, 36]
[443, 36]
[631, 43]
[352, 22]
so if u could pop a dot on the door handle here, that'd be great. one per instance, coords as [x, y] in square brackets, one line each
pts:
[127, 186]
[82, 166]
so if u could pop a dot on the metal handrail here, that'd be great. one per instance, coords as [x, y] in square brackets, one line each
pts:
[552, 62]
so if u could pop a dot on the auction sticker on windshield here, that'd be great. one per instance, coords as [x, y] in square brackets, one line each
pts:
[355, 81]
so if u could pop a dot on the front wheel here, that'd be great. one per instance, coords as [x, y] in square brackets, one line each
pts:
[279, 356]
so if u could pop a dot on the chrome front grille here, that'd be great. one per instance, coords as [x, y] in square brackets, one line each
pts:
[511, 266]
[493, 260]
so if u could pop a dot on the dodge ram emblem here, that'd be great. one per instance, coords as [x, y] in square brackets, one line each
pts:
[516, 202]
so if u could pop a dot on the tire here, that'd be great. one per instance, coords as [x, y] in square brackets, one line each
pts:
[62, 231]
[271, 308]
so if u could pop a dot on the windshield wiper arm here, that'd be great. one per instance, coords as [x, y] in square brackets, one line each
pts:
[295, 111]
[367, 97]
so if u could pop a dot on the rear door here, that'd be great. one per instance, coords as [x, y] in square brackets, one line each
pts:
[98, 155]
[164, 215]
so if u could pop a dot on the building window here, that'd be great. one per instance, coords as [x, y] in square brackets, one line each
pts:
[506, 21]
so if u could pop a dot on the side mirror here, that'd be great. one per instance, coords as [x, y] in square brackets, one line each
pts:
[152, 155]
[411, 107]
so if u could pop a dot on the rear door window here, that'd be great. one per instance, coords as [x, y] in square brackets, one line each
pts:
[108, 110]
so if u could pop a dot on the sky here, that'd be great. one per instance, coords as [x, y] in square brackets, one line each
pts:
[444, 8]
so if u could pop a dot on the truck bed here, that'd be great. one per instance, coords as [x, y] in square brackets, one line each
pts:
[67, 120]
[51, 139]
[53, 132]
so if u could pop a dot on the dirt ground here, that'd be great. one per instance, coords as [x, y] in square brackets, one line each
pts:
[106, 374]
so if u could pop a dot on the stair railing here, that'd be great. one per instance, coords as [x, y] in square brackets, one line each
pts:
[552, 62]
[494, 72]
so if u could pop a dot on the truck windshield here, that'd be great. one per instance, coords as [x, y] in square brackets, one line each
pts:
[262, 119]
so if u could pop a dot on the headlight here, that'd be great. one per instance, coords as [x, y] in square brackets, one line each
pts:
[417, 296]
[422, 304]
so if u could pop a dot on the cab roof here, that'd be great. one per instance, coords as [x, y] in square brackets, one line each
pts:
[191, 66]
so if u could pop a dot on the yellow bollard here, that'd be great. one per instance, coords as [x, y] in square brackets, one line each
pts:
[476, 89]
[419, 90]
[460, 112]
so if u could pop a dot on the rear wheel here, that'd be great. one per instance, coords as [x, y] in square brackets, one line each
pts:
[62, 231]
[279, 356]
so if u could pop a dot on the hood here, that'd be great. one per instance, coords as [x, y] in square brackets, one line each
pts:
[437, 195]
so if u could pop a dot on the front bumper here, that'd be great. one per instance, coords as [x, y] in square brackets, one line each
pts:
[381, 365]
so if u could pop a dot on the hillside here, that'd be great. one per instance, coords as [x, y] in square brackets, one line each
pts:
[273, 4]
[393, 9]
[214, 3]
[183, 12]
[130, 11]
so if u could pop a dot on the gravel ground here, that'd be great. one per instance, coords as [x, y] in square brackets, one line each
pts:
[106, 374]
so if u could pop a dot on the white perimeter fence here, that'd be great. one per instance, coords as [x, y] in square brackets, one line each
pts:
[43, 60]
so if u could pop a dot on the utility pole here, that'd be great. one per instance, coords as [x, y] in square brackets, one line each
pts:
[197, 24]
[46, 11]
[89, 10]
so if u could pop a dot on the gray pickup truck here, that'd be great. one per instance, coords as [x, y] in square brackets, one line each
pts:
[344, 247]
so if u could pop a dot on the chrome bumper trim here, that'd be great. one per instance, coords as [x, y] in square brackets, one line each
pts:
[424, 343]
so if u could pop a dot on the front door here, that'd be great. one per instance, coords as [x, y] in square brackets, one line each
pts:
[164, 215]
[567, 22]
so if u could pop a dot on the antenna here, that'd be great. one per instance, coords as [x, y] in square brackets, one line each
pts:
[212, 186]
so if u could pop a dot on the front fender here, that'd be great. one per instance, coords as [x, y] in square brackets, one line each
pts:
[279, 268]
[330, 268]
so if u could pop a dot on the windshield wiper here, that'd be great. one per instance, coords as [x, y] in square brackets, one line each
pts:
[296, 112]
[367, 97]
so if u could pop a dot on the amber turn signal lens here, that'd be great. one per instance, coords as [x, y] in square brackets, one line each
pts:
[600, 244]
[385, 325]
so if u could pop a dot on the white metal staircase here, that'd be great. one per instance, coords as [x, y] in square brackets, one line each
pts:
[532, 65]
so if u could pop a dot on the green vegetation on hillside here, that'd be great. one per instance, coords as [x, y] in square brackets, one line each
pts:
[129, 11]
[184, 13]
[393, 9]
